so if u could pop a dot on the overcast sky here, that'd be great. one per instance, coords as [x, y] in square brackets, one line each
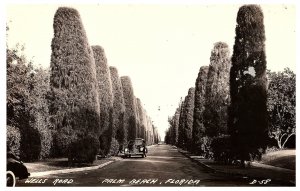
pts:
[161, 47]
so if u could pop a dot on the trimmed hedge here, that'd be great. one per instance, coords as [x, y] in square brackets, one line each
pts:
[84, 149]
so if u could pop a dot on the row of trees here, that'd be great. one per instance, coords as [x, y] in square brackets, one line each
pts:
[79, 107]
[234, 110]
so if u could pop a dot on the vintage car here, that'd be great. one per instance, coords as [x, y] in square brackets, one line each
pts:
[136, 147]
[15, 169]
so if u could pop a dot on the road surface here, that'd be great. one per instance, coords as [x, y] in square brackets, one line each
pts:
[164, 166]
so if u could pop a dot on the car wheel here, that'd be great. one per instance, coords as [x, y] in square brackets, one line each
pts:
[10, 179]
[143, 156]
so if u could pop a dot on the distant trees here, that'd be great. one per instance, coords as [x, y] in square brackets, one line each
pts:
[282, 106]
[74, 106]
[248, 118]
[181, 129]
[172, 132]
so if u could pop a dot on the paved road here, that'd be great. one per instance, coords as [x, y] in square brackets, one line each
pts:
[164, 166]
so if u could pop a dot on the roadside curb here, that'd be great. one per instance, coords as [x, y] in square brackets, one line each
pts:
[238, 174]
[207, 167]
[64, 171]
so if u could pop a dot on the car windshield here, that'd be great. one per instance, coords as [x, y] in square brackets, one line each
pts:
[138, 142]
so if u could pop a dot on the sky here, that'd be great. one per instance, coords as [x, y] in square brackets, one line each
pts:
[161, 47]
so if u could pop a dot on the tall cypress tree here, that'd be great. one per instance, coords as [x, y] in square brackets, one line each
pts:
[130, 108]
[198, 127]
[176, 124]
[118, 106]
[189, 110]
[141, 117]
[217, 96]
[105, 98]
[181, 126]
[74, 106]
[248, 112]
[186, 118]
[138, 121]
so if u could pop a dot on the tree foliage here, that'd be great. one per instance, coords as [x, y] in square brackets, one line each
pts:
[13, 140]
[39, 89]
[19, 104]
[74, 104]
[248, 111]
[282, 106]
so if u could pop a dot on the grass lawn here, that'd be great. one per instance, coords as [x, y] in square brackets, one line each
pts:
[58, 164]
[283, 159]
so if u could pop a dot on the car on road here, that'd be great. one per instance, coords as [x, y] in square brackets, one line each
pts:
[136, 147]
[15, 169]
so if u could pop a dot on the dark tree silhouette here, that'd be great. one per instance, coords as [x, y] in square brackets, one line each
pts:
[248, 123]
